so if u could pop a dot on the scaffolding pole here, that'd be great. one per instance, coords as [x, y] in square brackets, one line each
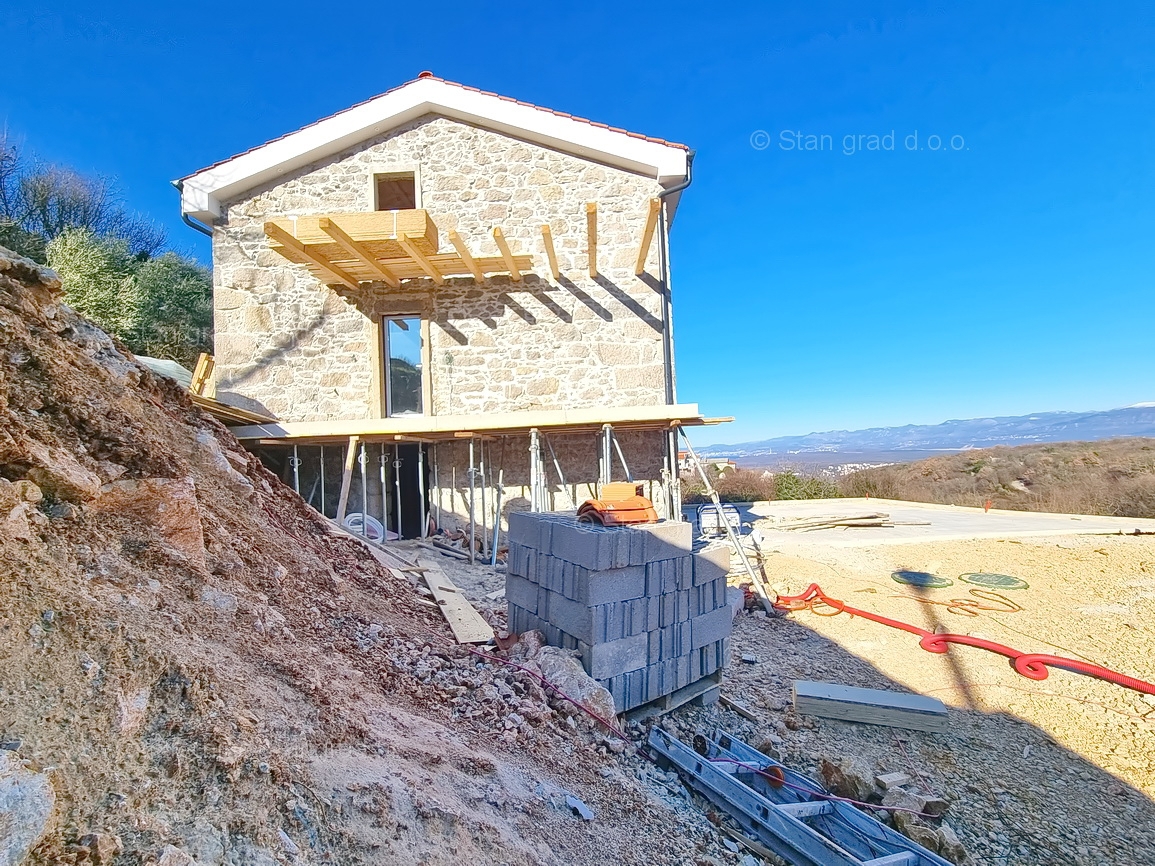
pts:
[421, 489]
[534, 470]
[765, 593]
[322, 508]
[295, 462]
[484, 506]
[363, 459]
[557, 469]
[397, 487]
[436, 490]
[472, 496]
[621, 456]
[497, 505]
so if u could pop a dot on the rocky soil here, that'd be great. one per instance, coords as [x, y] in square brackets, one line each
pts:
[194, 668]
[1060, 771]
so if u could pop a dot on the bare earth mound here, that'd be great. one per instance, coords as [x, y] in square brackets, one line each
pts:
[195, 668]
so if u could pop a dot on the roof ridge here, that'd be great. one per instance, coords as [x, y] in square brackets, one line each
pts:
[431, 77]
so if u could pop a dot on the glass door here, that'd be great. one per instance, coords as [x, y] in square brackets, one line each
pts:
[403, 367]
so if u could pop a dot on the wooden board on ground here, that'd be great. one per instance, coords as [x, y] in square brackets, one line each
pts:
[468, 625]
[870, 706]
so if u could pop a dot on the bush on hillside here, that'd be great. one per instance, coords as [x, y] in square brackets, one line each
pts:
[748, 485]
[1114, 477]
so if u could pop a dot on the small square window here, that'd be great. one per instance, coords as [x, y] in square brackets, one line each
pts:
[396, 191]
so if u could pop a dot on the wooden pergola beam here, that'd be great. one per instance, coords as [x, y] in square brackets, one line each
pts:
[466, 256]
[286, 240]
[358, 252]
[499, 239]
[550, 253]
[592, 234]
[419, 257]
[648, 234]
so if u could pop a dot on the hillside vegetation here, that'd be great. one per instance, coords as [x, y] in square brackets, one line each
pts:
[1111, 477]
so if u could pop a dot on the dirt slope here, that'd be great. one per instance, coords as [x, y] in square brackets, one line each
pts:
[205, 673]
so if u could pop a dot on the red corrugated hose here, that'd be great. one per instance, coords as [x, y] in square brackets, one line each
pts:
[1031, 665]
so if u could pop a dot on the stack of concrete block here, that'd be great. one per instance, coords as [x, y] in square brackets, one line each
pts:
[647, 614]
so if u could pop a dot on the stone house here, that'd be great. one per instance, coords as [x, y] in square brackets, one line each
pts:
[441, 292]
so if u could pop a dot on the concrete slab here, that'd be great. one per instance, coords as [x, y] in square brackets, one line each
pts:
[943, 523]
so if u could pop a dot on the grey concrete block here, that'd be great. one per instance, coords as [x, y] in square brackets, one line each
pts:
[669, 575]
[708, 597]
[604, 587]
[668, 539]
[711, 627]
[605, 660]
[526, 529]
[670, 642]
[521, 592]
[711, 564]
[515, 561]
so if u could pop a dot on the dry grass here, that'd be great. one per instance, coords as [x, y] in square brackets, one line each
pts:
[1112, 477]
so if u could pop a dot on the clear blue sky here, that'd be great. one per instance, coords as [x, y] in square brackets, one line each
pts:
[1011, 270]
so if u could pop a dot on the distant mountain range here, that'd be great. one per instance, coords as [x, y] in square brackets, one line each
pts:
[1137, 420]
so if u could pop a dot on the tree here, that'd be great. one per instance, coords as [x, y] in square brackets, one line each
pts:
[176, 310]
[159, 307]
[97, 274]
[39, 202]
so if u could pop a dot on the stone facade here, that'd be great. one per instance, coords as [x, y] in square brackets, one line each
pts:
[303, 352]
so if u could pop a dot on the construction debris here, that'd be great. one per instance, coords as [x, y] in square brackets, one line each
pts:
[812, 524]
[872, 706]
[468, 625]
[788, 812]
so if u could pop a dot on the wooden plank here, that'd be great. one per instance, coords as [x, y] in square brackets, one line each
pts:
[466, 256]
[648, 234]
[510, 262]
[347, 478]
[467, 425]
[870, 706]
[288, 242]
[375, 230]
[467, 624]
[757, 847]
[358, 251]
[737, 708]
[201, 373]
[447, 264]
[550, 252]
[592, 236]
[229, 414]
[418, 256]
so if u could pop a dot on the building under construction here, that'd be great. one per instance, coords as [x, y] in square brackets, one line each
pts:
[444, 304]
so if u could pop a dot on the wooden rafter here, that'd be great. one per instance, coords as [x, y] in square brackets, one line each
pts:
[592, 234]
[289, 242]
[550, 253]
[648, 234]
[420, 258]
[466, 256]
[510, 262]
[358, 252]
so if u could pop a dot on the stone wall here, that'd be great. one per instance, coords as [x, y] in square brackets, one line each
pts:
[303, 352]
